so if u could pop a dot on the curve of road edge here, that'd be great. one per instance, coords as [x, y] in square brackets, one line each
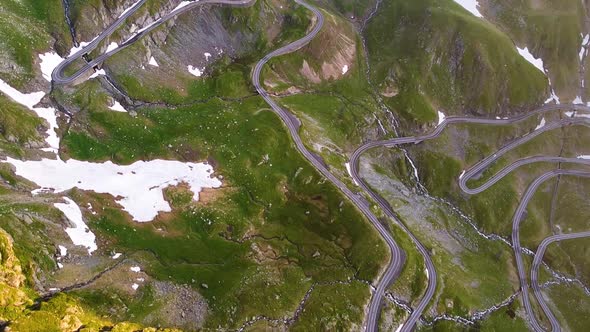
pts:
[58, 77]
[397, 260]
[477, 169]
[535, 271]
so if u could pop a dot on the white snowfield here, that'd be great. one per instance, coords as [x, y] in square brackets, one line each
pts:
[112, 46]
[471, 6]
[526, 54]
[80, 234]
[49, 61]
[29, 100]
[195, 71]
[117, 107]
[137, 187]
[153, 62]
[97, 73]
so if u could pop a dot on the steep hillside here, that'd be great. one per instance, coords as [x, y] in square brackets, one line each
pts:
[554, 31]
[243, 252]
[28, 28]
[428, 56]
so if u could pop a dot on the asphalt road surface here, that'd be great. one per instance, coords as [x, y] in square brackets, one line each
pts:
[535, 273]
[397, 260]
[475, 170]
[58, 76]
[518, 216]
[397, 255]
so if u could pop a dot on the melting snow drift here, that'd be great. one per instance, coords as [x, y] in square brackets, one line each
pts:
[117, 107]
[80, 234]
[471, 6]
[441, 117]
[153, 62]
[195, 71]
[538, 63]
[138, 187]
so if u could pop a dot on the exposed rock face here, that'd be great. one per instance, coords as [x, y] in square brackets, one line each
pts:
[182, 307]
[10, 268]
[12, 298]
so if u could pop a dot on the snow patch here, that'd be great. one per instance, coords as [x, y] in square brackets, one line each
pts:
[97, 73]
[441, 117]
[526, 54]
[49, 61]
[112, 46]
[116, 255]
[553, 98]
[137, 187]
[62, 250]
[78, 48]
[135, 269]
[399, 328]
[347, 165]
[578, 101]
[461, 175]
[182, 4]
[153, 62]
[117, 107]
[195, 71]
[584, 46]
[584, 156]
[344, 69]
[29, 100]
[471, 6]
[135, 286]
[79, 234]
[207, 56]
[541, 125]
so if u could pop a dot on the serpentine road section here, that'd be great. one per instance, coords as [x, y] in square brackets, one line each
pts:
[535, 271]
[58, 76]
[479, 167]
[397, 255]
[476, 169]
[518, 216]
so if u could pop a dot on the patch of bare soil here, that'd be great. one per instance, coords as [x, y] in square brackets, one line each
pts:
[309, 73]
[180, 306]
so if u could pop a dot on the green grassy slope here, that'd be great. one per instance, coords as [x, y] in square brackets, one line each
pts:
[434, 55]
[27, 28]
[552, 29]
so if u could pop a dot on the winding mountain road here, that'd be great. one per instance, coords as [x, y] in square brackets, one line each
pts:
[474, 171]
[397, 258]
[518, 216]
[535, 272]
[397, 255]
[58, 74]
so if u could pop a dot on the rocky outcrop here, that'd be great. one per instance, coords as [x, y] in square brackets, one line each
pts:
[12, 298]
